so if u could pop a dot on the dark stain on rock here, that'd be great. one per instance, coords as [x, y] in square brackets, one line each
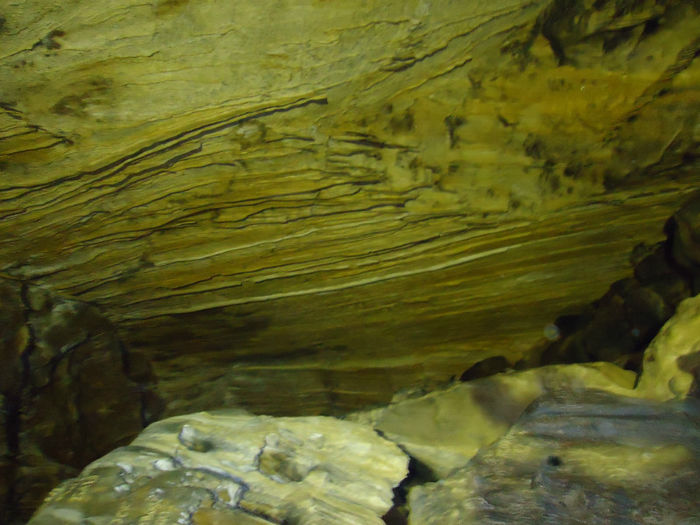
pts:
[170, 6]
[504, 121]
[534, 147]
[452, 122]
[616, 38]
[486, 367]
[548, 179]
[554, 461]
[403, 123]
[69, 105]
[573, 170]
[49, 41]
[497, 401]
[95, 92]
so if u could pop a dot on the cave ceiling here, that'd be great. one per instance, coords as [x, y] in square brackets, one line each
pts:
[307, 206]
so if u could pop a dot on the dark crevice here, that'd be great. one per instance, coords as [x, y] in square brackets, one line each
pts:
[620, 325]
[11, 410]
[418, 474]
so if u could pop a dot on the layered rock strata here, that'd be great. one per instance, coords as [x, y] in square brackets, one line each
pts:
[587, 458]
[308, 206]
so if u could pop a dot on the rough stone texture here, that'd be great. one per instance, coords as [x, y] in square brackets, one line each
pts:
[619, 326]
[590, 457]
[70, 393]
[686, 240]
[591, 448]
[443, 430]
[236, 468]
[672, 361]
[588, 451]
[307, 206]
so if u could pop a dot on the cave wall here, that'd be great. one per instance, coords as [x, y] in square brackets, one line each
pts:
[70, 391]
[304, 207]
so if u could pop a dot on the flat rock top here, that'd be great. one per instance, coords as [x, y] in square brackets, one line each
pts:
[223, 466]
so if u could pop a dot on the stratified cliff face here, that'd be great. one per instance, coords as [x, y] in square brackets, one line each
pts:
[303, 207]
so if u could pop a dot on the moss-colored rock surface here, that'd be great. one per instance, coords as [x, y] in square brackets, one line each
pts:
[308, 206]
[672, 361]
[558, 444]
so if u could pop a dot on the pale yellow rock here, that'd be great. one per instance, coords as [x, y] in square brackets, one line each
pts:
[672, 361]
[229, 467]
[446, 428]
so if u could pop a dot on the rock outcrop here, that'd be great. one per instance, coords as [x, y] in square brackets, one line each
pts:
[593, 453]
[592, 447]
[584, 458]
[303, 208]
[443, 430]
[70, 393]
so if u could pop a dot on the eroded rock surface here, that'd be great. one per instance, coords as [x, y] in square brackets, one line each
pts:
[271, 197]
[444, 429]
[590, 448]
[219, 467]
[586, 457]
[672, 361]
[70, 391]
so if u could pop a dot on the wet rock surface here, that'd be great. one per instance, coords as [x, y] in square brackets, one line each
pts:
[588, 457]
[236, 468]
[70, 390]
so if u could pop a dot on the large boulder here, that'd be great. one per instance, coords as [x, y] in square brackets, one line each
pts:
[601, 454]
[672, 361]
[209, 468]
[577, 458]
[443, 430]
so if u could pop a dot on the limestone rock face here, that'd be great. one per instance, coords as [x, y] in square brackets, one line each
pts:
[306, 206]
[70, 392]
[236, 468]
[588, 458]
